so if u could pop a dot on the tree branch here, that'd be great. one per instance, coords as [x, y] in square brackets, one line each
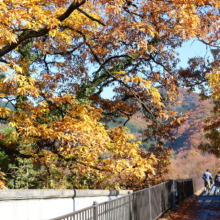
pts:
[29, 34]
[90, 17]
[3, 61]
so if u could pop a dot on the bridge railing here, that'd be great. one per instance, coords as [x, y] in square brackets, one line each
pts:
[151, 202]
[82, 214]
[187, 187]
[148, 203]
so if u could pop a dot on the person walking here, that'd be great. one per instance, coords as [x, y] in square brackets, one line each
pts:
[207, 176]
[217, 182]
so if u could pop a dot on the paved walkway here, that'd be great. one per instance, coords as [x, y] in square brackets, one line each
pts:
[208, 206]
[199, 207]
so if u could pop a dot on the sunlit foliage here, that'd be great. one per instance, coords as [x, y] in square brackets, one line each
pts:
[58, 56]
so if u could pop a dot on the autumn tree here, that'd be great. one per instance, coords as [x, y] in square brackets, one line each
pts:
[203, 72]
[58, 57]
[212, 127]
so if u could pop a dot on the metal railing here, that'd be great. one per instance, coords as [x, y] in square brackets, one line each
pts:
[152, 202]
[187, 187]
[114, 209]
[148, 203]
[82, 214]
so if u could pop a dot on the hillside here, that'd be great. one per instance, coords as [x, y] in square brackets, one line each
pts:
[6, 104]
[190, 134]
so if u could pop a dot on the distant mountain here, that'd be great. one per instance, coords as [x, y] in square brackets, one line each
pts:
[190, 134]
[8, 105]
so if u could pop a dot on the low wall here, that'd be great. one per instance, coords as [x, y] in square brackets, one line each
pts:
[43, 204]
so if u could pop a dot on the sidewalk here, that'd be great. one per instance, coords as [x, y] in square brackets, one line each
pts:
[208, 205]
[200, 207]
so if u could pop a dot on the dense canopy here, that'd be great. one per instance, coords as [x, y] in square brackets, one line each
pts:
[57, 57]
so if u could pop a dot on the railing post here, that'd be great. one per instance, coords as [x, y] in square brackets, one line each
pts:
[130, 205]
[150, 204]
[173, 197]
[95, 211]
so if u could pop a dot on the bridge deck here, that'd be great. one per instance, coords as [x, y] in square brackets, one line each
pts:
[208, 206]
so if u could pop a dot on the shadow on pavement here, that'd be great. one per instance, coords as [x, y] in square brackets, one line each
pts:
[208, 205]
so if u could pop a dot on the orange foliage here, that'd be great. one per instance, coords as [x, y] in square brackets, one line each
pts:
[212, 126]
[2, 180]
[191, 163]
[47, 52]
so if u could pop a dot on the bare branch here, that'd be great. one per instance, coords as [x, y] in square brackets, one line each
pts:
[90, 17]
[3, 60]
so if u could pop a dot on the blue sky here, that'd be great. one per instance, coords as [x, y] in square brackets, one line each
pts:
[192, 48]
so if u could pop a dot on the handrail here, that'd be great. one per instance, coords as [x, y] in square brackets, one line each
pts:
[112, 200]
[71, 213]
[182, 180]
[150, 187]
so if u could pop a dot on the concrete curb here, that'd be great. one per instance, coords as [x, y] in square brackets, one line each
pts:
[24, 194]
